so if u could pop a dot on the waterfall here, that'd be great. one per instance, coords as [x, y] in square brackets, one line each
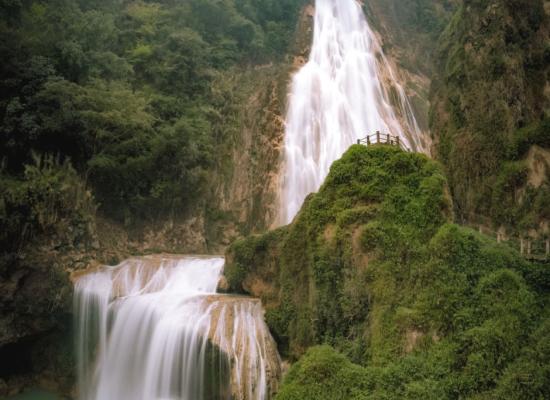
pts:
[340, 95]
[154, 328]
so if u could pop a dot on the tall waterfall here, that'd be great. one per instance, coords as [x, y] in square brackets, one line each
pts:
[339, 96]
[154, 328]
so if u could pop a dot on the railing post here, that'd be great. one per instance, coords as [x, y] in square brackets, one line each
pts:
[529, 247]
[368, 140]
[498, 237]
[389, 139]
[377, 136]
[480, 229]
[521, 246]
[397, 140]
[358, 141]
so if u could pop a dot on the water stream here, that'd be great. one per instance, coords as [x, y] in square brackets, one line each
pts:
[154, 328]
[340, 95]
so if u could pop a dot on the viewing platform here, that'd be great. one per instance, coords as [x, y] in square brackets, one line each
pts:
[384, 138]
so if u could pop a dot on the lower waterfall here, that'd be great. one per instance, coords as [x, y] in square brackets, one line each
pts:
[154, 328]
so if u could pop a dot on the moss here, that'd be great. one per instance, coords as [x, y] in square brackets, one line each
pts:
[506, 192]
[324, 374]
[246, 253]
[528, 377]
[356, 215]
[537, 133]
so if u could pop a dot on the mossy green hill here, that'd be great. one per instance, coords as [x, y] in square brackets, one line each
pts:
[374, 267]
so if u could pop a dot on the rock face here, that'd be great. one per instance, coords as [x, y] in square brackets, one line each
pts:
[408, 32]
[247, 178]
[490, 101]
[237, 329]
[36, 344]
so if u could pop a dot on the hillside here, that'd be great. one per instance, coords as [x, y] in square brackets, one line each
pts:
[374, 267]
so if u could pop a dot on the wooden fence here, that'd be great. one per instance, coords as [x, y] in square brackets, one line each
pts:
[532, 245]
[383, 138]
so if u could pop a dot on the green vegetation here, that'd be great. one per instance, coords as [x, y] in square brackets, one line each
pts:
[323, 374]
[489, 109]
[50, 200]
[131, 110]
[125, 91]
[373, 267]
[380, 195]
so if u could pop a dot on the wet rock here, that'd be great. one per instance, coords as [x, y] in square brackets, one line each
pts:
[223, 285]
[239, 330]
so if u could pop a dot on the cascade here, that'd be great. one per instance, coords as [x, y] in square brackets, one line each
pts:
[154, 328]
[340, 95]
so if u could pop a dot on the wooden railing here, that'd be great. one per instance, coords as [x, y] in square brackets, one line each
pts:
[531, 245]
[383, 138]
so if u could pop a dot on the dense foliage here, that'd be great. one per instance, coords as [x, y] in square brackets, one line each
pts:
[123, 90]
[490, 107]
[323, 374]
[373, 267]
[127, 107]
[378, 195]
[49, 201]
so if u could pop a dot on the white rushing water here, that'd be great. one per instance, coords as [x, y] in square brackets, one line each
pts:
[154, 328]
[339, 96]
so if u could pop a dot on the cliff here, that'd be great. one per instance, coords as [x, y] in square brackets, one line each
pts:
[408, 32]
[489, 114]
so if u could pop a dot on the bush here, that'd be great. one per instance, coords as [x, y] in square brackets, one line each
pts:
[50, 200]
[321, 374]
